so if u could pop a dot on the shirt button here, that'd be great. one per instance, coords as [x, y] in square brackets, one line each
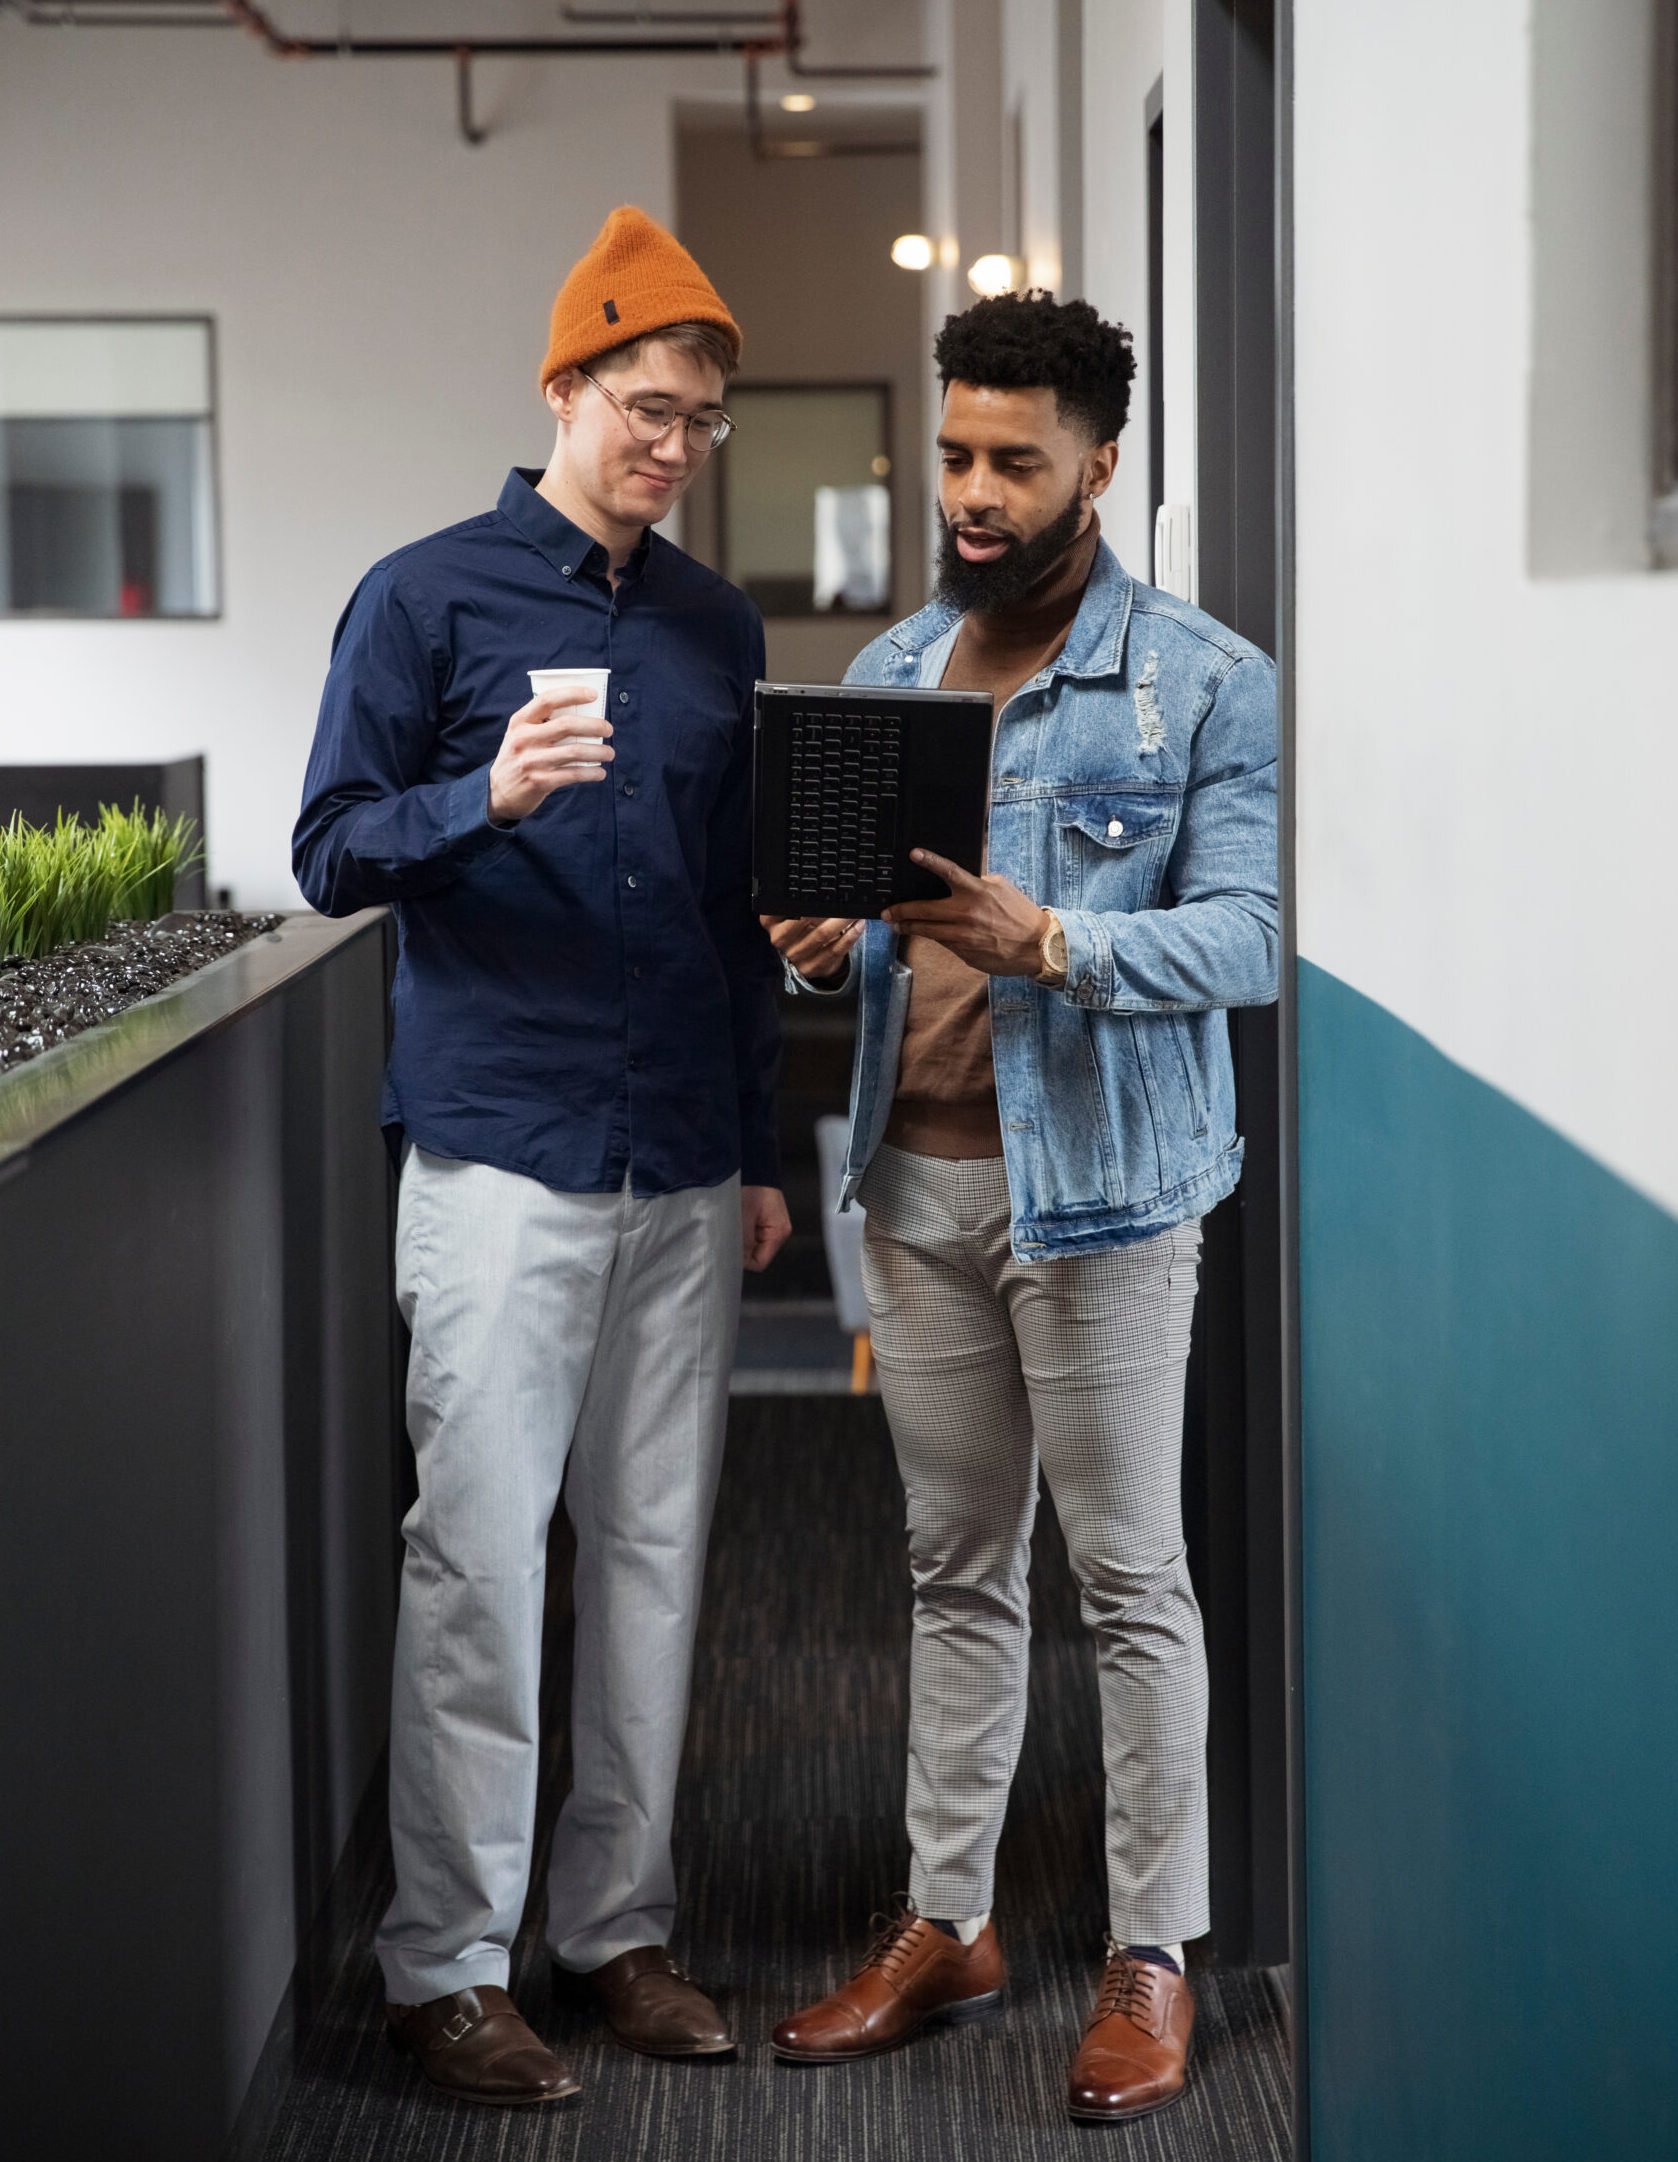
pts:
[623, 698]
[1115, 826]
[565, 570]
[637, 972]
[629, 788]
[630, 880]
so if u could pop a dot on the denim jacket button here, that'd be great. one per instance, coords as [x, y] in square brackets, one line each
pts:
[1115, 826]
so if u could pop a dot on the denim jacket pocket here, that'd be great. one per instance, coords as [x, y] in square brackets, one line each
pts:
[1111, 847]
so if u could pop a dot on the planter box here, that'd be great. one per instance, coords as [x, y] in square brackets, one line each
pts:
[199, 1436]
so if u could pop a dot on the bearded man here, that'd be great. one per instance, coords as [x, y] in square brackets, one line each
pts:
[1042, 1111]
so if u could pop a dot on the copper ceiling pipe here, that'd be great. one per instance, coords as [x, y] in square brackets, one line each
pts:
[724, 39]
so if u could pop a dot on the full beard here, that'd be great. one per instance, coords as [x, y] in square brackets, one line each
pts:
[983, 588]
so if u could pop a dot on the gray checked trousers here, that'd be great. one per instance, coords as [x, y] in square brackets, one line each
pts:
[990, 1369]
[583, 1339]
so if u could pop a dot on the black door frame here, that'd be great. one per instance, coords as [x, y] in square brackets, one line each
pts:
[1288, 1080]
[1236, 1491]
[1244, 77]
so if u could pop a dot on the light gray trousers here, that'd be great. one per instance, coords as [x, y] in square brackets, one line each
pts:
[988, 1369]
[576, 1338]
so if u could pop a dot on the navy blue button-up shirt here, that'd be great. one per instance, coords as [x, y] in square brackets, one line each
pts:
[587, 993]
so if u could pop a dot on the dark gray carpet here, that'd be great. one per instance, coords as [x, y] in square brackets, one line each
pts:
[791, 1834]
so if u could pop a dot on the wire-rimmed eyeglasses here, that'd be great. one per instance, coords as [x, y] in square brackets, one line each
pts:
[651, 419]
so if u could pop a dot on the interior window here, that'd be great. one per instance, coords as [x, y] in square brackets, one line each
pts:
[107, 468]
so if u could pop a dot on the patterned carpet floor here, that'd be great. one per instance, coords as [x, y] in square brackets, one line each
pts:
[790, 1836]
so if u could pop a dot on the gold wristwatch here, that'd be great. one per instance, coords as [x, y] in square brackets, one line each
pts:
[1052, 973]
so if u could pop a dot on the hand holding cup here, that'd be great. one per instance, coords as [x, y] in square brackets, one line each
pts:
[556, 741]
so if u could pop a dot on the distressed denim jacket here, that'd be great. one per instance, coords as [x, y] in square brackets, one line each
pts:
[1133, 791]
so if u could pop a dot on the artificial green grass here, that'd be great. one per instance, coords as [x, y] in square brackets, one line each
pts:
[65, 883]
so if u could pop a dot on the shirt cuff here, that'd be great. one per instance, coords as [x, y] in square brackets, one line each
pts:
[1089, 959]
[836, 987]
[470, 835]
[496, 825]
[760, 1161]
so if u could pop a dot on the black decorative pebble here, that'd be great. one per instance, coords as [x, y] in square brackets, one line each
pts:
[46, 1001]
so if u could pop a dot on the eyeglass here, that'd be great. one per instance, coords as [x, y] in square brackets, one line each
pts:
[651, 420]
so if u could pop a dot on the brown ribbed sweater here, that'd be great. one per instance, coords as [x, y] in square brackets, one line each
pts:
[946, 1084]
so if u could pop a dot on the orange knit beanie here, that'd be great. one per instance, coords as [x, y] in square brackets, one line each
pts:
[637, 278]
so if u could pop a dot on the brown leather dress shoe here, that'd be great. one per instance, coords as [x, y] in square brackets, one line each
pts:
[652, 2006]
[914, 1974]
[1134, 2058]
[474, 2044]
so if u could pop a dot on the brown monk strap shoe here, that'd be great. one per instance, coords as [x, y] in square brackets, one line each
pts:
[474, 2044]
[914, 1974]
[652, 2006]
[1135, 2053]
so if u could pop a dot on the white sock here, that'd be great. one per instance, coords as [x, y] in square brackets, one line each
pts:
[1176, 1952]
[969, 1932]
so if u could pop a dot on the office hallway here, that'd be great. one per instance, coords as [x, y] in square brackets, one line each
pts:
[790, 1836]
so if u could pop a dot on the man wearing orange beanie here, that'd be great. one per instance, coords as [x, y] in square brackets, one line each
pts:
[582, 1073]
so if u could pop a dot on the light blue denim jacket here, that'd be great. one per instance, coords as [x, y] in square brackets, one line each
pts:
[1133, 791]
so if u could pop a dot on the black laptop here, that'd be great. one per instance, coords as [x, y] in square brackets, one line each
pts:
[846, 781]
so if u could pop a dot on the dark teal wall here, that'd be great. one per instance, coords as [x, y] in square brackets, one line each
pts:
[1490, 1575]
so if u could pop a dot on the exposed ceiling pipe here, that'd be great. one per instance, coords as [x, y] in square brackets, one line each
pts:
[470, 129]
[787, 24]
[222, 14]
[759, 21]
[356, 47]
[782, 38]
[205, 15]
[769, 148]
[787, 44]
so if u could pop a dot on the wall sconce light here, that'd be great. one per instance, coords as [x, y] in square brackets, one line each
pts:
[798, 101]
[912, 251]
[994, 274]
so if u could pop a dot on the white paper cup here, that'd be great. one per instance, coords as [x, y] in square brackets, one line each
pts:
[594, 680]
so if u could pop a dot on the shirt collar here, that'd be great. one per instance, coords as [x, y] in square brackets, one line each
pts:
[571, 551]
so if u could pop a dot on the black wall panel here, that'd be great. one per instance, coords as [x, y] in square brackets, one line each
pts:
[197, 1577]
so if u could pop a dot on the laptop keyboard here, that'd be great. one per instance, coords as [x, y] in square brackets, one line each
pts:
[842, 826]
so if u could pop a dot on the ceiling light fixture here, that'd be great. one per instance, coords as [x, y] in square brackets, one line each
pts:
[798, 101]
[994, 274]
[912, 251]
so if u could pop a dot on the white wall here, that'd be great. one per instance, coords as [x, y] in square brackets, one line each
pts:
[1128, 45]
[1487, 762]
[1124, 57]
[962, 177]
[1031, 31]
[381, 293]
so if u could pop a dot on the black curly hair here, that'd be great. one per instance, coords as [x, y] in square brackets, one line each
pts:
[1031, 341]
